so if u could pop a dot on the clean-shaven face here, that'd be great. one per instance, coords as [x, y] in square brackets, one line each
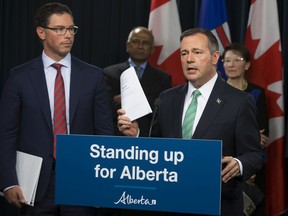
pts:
[198, 64]
[234, 65]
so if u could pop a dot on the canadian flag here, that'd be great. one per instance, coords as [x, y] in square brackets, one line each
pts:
[165, 25]
[263, 41]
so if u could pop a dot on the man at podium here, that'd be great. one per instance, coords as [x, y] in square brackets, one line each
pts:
[217, 111]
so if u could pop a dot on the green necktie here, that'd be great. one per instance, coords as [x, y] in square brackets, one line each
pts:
[190, 116]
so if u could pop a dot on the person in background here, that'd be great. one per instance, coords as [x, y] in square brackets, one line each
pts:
[139, 46]
[236, 61]
[28, 116]
[223, 113]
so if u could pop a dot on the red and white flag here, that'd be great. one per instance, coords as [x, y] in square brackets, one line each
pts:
[263, 41]
[213, 16]
[165, 25]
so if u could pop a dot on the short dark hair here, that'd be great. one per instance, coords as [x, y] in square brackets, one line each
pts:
[212, 41]
[239, 49]
[43, 14]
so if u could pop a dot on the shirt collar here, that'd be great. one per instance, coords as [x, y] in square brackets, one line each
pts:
[132, 64]
[47, 61]
[205, 90]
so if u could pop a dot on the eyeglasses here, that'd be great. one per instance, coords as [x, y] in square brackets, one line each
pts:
[62, 31]
[136, 42]
[236, 60]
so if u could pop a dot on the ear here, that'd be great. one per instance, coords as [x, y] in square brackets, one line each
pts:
[152, 49]
[41, 33]
[215, 58]
[127, 46]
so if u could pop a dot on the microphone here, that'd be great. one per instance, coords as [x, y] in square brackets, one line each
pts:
[155, 110]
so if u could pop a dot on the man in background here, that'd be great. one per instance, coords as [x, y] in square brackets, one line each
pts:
[139, 46]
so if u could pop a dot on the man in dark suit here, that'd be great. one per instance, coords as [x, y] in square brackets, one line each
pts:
[27, 106]
[222, 113]
[139, 46]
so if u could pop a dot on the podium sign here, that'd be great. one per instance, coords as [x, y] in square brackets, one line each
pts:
[170, 175]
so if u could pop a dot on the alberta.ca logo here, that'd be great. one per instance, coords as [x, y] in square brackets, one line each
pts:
[127, 199]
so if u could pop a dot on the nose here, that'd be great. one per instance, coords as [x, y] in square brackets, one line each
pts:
[231, 63]
[141, 44]
[190, 57]
[68, 34]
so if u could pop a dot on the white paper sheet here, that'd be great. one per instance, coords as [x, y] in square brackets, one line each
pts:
[133, 99]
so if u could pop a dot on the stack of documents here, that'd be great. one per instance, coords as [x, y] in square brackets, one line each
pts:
[28, 169]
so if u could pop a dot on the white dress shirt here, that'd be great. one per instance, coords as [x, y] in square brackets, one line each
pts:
[205, 90]
[50, 75]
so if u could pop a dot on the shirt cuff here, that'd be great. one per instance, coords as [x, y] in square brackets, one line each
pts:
[138, 133]
[9, 188]
[240, 166]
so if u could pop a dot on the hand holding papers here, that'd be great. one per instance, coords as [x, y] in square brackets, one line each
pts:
[28, 171]
[133, 99]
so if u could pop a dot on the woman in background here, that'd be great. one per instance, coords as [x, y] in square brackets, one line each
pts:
[236, 61]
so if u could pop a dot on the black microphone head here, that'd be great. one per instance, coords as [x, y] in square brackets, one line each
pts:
[155, 110]
[157, 102]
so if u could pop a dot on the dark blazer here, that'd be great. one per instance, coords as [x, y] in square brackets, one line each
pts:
[153, 82]
[260, 99]
[230, 116]
[26, 123]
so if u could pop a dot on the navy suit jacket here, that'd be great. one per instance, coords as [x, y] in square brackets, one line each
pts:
[26, 123]
[230, 116]
[153, 82]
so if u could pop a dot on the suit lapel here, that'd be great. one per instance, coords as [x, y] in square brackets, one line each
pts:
[124, 66]
[177, 106]
[75, 87]
[37, 77]
[147, 75]
[213, 106]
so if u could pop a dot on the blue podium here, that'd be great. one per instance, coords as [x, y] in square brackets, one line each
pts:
[171, 175]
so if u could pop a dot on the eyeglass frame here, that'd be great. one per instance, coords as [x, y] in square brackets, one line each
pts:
[138, 43]
[56, 29]
[237, 60]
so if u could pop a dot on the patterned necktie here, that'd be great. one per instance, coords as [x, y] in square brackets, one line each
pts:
[59, 118]
[138, 70]
[190, 116]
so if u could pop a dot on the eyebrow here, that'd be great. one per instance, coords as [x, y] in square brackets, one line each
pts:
[193, 49]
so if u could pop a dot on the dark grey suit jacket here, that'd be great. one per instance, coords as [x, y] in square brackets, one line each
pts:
[230, 116]
[153, 82]
[26, 123]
